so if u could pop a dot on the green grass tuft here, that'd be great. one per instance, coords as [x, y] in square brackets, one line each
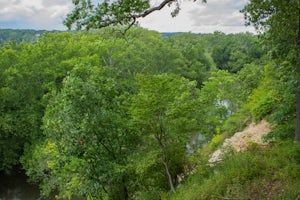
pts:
[271, 172]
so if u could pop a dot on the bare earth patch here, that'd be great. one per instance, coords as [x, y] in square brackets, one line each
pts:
[241, 140]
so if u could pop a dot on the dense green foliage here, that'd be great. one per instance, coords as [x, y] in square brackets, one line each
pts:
[103, 115]
[232, 53]
[164, 110]
[281, 23]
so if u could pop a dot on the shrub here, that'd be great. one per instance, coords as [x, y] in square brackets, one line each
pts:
[237, 122]
[271, 172]
[262, 104]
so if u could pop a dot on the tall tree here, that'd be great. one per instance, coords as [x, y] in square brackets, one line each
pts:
[87, 15]
[164, 112]
[280, 20]
[87, 121]
[219, 100]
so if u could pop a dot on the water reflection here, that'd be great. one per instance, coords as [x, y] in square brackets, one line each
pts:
[14, 186]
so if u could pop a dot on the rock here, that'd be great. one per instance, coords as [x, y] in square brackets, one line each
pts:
[240, 141]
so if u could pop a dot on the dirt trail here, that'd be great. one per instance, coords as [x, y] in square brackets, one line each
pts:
[240, 140]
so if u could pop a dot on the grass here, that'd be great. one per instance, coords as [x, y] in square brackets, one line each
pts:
[271, 172]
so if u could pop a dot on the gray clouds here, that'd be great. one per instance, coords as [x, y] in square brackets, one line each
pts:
[216, 15]
[219, 12]
[34, 14]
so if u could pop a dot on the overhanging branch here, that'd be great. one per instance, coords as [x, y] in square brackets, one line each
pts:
[104, 15]
[156, 8]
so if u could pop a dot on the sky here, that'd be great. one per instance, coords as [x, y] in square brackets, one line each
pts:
[196, 17]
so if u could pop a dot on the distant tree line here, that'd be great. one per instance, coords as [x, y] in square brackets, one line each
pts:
[20, 35]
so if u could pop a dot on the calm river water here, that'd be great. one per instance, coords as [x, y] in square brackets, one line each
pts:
[14, 186]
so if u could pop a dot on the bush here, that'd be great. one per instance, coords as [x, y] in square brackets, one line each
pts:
[216, 141]
[271, 172]
[262, 104]
[237, 122]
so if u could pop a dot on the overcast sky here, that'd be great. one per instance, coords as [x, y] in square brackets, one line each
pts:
[215, 15]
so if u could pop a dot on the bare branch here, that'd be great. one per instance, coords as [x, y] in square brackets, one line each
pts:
[150, 10]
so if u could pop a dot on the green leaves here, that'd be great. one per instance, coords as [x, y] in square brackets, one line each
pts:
[164, 112]
[88, 122]
[219, 97]
[103, 113]
[233, 52]
[167, 96]
[279, 19]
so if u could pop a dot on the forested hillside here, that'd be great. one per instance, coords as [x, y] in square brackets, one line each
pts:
[108, 115]
[23, 35]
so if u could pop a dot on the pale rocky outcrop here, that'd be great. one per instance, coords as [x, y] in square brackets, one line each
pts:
[240, 141]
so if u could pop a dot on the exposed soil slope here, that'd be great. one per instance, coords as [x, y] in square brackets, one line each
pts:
[241, 140]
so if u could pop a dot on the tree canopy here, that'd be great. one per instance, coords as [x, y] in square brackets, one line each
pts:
[107, 115]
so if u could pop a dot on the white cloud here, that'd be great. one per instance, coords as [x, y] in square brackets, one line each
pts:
[34, 4]
[221, 15]
[215, 15]
[34, 14]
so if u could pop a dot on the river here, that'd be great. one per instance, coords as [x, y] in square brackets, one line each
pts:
[14, 186]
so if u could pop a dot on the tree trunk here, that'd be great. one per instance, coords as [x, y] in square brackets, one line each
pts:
[297, 134]
[165, 163]
[124, 191]
[159, 137]
[169, 176]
